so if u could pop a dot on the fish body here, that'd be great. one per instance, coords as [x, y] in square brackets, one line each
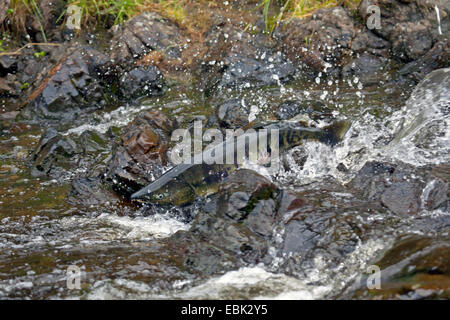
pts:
[201, 175]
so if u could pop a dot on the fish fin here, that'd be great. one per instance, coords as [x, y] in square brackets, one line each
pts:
[335, 132]
[161, 181]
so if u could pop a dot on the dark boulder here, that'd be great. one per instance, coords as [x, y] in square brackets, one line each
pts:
[235, 227]
[416, 267]
[369, 69]
[141, 81]
[232, 114]
[410, 27]
[237, 59]
[402, 188]
[52, 153]
[140, 155]
[90, 191]
[58, 156]
[314, 109]
[322, 38]
[142, 34]
[438, 57]
[72, 87]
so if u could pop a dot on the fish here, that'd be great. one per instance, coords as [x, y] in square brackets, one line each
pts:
[200, 176]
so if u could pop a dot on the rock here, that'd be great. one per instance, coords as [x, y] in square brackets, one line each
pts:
[435, 194]
[370, 43]
[90, 191]
[141, 81]
[144, 33]
[314, 109]
[416, 267]
[235, 227]
[411, 40]
[72, 87]
[402, 198]
[56, 156]
[317, 40]
[4, 4]
[410, 27]
[232, 114]
[370, 181]
[140, 155]
[240, 192]
[8, 64]
[52, 151]
[437, 57]
[240, 60]
[368, 68]
[401, 187]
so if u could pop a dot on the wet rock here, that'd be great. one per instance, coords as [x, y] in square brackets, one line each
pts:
[72, 87]
[314, 109]
[140, 155]
[237, 227]
[232, 114]
[411, 40]
[369, 42]
[414, 268]
[402, 188]
[56, 156]
[410, 27]
[402, 198]
[369, 68]
[370, 180]
[90, 191]
[324, 221]
[141, 81]
[52, 152]
[238, 59]
[317, 40]
[437, 57]
[142, 34]
[435, 194]
[240, 192]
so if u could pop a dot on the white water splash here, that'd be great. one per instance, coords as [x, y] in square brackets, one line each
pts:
[438, 17]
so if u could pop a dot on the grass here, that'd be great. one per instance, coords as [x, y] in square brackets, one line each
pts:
[288, 9]
[106, 13]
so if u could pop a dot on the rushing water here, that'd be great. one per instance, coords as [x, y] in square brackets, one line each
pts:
[41, 235]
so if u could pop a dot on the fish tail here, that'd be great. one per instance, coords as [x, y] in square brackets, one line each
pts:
[335, 132]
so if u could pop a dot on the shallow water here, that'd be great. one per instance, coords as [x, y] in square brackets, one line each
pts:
[116, 246]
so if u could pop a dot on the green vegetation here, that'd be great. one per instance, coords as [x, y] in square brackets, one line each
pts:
[112, 12]
[288, 9]
[39, 54]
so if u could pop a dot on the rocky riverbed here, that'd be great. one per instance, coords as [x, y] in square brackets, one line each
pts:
[95, 124]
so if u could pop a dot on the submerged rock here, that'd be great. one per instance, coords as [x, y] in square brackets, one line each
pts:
[416, 267]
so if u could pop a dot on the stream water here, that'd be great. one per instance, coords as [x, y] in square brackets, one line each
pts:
[116, 246]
